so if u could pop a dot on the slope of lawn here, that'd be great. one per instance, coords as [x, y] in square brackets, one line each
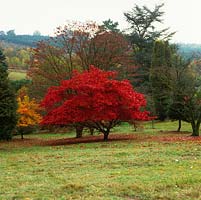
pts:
[140, 169]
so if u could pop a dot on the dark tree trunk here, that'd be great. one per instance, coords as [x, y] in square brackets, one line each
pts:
[79, 130]
[106, 133]
[195, 127]
[152, 124]
[91, 130]
[179, 127]
[135, 125]
[22, 133]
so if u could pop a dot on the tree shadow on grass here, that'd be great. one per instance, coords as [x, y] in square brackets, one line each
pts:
[165, 136]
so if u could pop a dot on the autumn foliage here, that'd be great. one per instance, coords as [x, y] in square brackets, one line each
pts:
[77, 46]
[93, 99]
[28, 111]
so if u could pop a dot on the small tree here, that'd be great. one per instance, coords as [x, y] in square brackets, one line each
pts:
[182, 85]
[8, 105]
[186, 99]
[95, 100]
[36, 33]
[28, 112]
[11, 33]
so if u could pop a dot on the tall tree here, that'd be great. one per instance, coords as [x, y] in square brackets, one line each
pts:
[160, 77]
[48, 67]
[143, 33]
[107, 51]
[8, 104]
[77, 46]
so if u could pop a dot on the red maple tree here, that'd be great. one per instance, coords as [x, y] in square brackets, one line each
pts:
[93, 99]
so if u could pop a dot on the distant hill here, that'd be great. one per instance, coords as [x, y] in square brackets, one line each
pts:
[23, 40]
[186, 50]
[190, 51]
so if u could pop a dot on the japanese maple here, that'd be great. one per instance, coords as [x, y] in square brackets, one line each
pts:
[94, 99]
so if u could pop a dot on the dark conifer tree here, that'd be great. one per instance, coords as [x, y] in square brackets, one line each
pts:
[8, 104]
[143, 33]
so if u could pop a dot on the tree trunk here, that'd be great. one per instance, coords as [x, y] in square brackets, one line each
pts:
[179, 127]
[195, 127]
[152, 124]
[135, 125]
[22, 135]
[106, 133]
[79, 130]
[91, 130]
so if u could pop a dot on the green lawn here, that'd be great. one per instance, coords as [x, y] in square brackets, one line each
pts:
[113, 170]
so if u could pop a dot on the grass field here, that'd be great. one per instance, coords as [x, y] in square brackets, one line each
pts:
[16, 75]
[138, 169]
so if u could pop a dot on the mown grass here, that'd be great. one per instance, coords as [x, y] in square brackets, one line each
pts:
[111, 170]
[16, 75]
[153, 129]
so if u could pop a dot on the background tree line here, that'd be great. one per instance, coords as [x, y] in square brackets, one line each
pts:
[22, 40]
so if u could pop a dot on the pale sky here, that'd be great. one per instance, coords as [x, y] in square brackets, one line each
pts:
[26, 16]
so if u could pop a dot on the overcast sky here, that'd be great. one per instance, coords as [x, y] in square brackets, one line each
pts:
[26, 16]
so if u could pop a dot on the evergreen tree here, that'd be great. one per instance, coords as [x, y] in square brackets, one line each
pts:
[109, 25]
[8, 104]
[143, 33]
[160, 77]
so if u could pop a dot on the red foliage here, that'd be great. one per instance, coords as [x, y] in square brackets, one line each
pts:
[94, 99]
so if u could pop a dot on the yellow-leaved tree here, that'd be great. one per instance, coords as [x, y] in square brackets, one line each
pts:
[28, 111]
